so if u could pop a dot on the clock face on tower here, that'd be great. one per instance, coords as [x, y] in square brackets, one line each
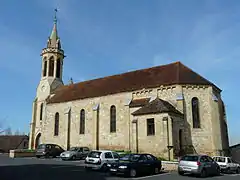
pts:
[43, 88]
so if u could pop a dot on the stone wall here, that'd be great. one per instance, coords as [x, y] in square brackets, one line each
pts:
[124, 138]
[155, 144]
[169, 166]
[201, 138]
[107, 140]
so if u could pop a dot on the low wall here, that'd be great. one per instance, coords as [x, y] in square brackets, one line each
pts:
[169, 165]
[17, 153]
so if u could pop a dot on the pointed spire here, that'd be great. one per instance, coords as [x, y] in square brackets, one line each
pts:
[54, 40]
[54, 30]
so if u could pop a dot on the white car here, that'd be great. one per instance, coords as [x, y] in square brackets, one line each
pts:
[98, 159]
[227, 164]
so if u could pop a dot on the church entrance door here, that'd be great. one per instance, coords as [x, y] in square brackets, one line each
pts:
[38, 140]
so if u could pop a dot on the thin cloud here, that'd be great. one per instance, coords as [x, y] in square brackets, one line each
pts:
[17, 52]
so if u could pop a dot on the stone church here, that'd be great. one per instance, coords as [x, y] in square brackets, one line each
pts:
[164, 110]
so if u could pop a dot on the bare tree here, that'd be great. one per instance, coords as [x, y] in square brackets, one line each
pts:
[2, 129]
[8, 131]
[17, 132]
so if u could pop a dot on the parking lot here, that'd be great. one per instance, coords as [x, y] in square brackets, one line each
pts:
[36, 169]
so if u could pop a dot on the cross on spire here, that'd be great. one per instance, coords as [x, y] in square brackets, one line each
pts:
[55, 15]
[54, 40]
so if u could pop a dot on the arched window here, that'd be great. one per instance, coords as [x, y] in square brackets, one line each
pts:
[51, 66]
[56, 124]
[113, 119]
[82, 122]
[195, 113]
[44, 68]
[41, 111]
[58, 69]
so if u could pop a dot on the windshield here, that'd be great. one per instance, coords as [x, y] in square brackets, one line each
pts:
[73, 149]
[41, 146]
[190, 158]
[130, 157]
[219, 159]
[94, 154]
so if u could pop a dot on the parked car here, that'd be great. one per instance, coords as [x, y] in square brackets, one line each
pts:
[48, 150]
[98, 159]
[75, 153]
[136, 164]
[201, 165]
[227, 164]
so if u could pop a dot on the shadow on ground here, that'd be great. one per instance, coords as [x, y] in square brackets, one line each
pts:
[47, 172]
[193, 175]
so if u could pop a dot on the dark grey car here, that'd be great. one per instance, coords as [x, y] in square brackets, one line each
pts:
[75, 153]
[48, 150]
[201, 165]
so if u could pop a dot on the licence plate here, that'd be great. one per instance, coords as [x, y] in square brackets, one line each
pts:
[187, 169]
[114, 170]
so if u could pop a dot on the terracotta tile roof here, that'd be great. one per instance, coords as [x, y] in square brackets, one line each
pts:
[174, 73]
[139, 102]
[157, 106]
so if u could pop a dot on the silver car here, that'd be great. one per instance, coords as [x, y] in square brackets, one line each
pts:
[201, 165]
[75, 153]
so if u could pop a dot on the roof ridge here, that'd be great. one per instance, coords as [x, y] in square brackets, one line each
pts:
[137, 70]
[189, 69]
[168, 74]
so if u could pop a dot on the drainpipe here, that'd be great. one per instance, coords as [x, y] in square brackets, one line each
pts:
[135, 121]
[129, 132]
[165, 119]
[97, 130]
[129, 123]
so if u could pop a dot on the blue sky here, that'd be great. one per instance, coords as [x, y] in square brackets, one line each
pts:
[105, 37]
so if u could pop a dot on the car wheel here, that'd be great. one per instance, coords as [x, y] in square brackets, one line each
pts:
[218, 171]
[37, 156]
[156, 170]
[228, 170]
[133, 173]
[238, 170]
[73, 157]
[203, 173]
[181, 173]
[104, 167]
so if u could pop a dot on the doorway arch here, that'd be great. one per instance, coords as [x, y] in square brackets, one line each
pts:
[38, 140]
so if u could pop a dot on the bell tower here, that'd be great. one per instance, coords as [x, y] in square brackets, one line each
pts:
[52, 64]
[51, 78]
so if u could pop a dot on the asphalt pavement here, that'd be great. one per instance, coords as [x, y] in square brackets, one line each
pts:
[49, 169]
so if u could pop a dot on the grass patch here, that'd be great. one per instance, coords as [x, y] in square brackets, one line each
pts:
[24, 150]
[122, 152]
[162, 159]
